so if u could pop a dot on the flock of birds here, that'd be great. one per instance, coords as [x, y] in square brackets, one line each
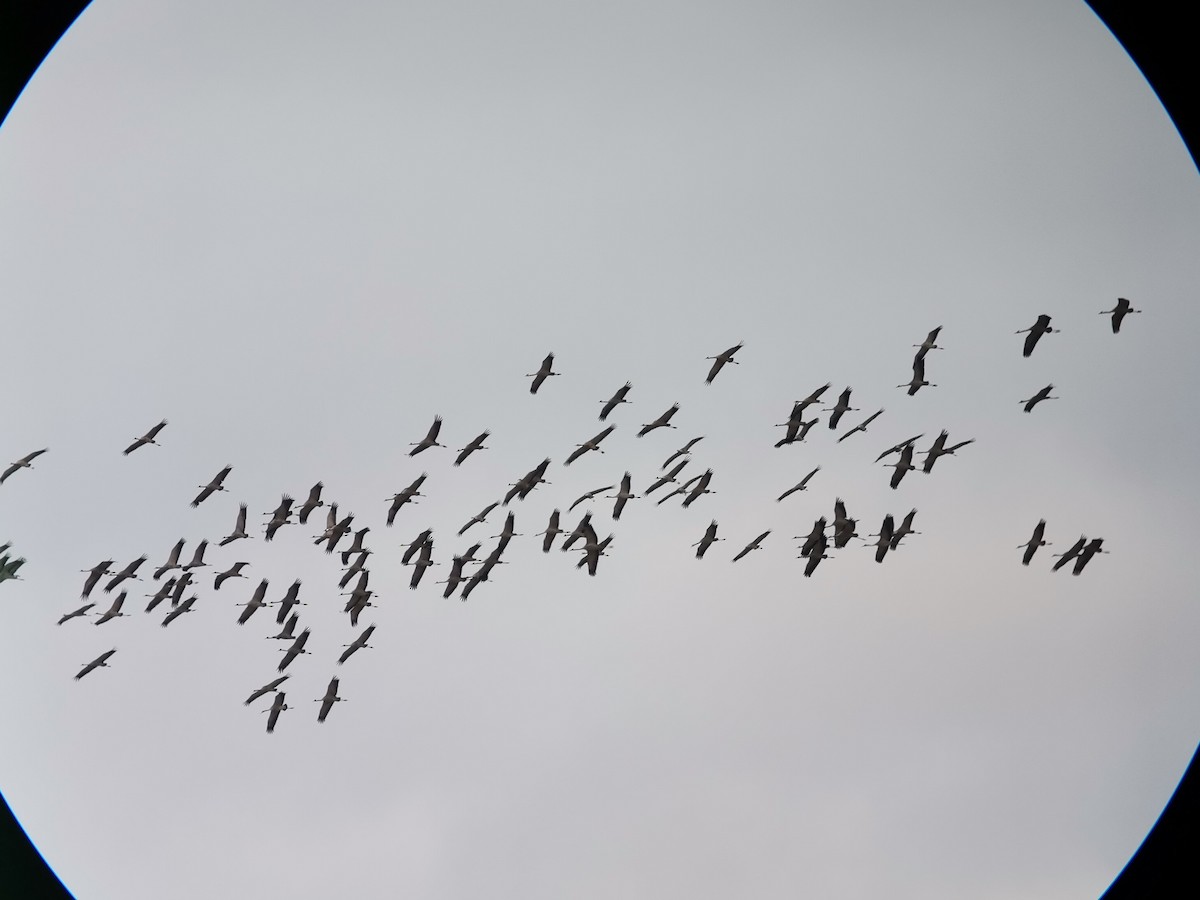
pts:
[178, 592]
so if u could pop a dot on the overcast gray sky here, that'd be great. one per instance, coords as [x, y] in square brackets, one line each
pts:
[299, 231]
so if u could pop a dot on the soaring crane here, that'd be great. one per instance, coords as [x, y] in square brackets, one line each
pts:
[542, 374]
[1043, 394]
[1034, 542]
[430, 439]
[207, 490]
[100, 661]
[720, 360]
[801, 486]
[22, 463]
[331, 697]
[710, 538]
[147, 438]
[476, 443]
[663, 421]
[1119, 312]
[614, 401]
[1034, 333]
[753, 545]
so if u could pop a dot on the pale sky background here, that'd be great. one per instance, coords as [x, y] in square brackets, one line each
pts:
[300, 230]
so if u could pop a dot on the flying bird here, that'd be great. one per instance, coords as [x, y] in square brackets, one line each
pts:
[1034, 333]
[95, 573]
[356, 546]
[164, 591]
[753, 545]
[1090, 549]
[720, 360]
[843, 525]
[939, 448]
[700, 488]
[814, 537]
[682, 451]
[1119, 312]
[234, 571]
[421, 563]
[184, 607]
[478, 518]
[314, 500]
[288, 632]
[623, 495]
[801, 486]
[663, 421]
[816, 554]
[1034, 542]
[207, 490]
[1043, 394]
[405, 496]
[295, 650]
[331, 697]
[930, 343]
[239, 529]
[127, 572]
[861, 426]
[590, 494]
[918, 378]
[172, 561]
[113, 611]
[581, 531]
[147, 438]
[814, 397]
[903, 465]
[100, 661]
[1072, 553]
[542, 374]
[591, 444]
[255, 603]
[899, 447]
[430, 439]
[905, 528]
[82, 611]
[280, 517]
[475, 444]
[22, 463]
[885, 538]
[669, 478]
[615, 400]
[276, 708]
[357, 644]
[197, 557]
[267, 688]
[415, 546]
[552, 531]
[710, 537]
[291, 598]
[840, 408]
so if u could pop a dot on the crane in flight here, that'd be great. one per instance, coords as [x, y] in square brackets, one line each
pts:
[23, 463]
[172, 561]
[476, 443]
[331, 697]
[1085, 555]
[930, 343]
[663, 421]
[720, 360]
[1036, 540]
[753, 545]
[234, 571]
[861, 426]
[95, 573]
[682, 451]
[1043, 394]
[624, 494]
[267, 688]
[542, 374]
[801, 486]
[939, 448]
[1119, 312]
[591, 444]
[899, 447]
[710, 538]
[700, 489]
[239, 529]
[840, 408]
[314, 500]
[128, 572]
[903, 530]
[669, 478]
[903, 465]
[276, 708]
[147, 438]
[281, 516]
[590, 494]
[551, 532]
[255, 603]
[405, 496]
[1034, 333]
[113, 610]
[82, 611]
[478, 518]
[99, 662]
[207, 490]
[1072, 552]
[430, 439]
[918, 378]
[197, 560]
[615, 400]
[296, 649]
[184, 607]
